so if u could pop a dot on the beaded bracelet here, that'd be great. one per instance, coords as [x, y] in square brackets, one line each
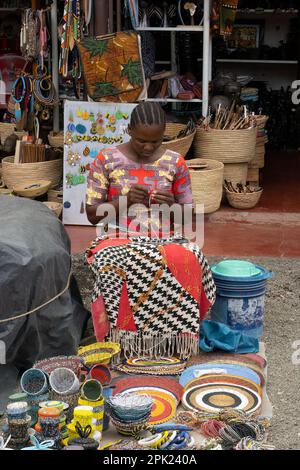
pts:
[181, 441]
[154, 442]
[170, 439]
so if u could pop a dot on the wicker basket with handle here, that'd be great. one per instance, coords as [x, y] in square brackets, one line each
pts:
[207, 183]
[225, 145]
[181, 145]
[19, 173]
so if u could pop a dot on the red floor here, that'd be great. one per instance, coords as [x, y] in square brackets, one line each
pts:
[272, 229]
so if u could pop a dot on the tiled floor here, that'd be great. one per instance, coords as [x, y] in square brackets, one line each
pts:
[271, 229]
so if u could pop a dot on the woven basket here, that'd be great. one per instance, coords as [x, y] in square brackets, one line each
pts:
[6, 129]
[100, 352]
[55, 195]
[243, 201]
[261, 120]
[56, 140]
[258, 161]
[20, 134]
[5, 191]
[207, 184]
[182, 145]
[225, 146]
[253, 175]
[19, 173]
[39, 187]
[236, 172]
[55, 207]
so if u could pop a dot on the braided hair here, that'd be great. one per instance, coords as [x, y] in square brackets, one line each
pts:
[148, 113]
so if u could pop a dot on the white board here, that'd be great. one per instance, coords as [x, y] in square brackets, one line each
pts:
[89, 127]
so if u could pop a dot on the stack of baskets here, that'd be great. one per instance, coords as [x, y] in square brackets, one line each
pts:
[55, 195]
[234, 148]
[259, 160]
[181, 145]
[207, 183]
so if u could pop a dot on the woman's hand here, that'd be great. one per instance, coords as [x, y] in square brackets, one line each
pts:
[138, 194]
[158, 196]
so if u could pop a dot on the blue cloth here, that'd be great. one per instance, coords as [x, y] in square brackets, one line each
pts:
[215, 335]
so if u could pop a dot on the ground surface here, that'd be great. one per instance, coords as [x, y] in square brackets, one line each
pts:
[282, 329]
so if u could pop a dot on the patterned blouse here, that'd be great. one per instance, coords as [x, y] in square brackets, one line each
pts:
[112, 174]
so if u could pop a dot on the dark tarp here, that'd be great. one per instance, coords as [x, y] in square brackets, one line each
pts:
[35, 264]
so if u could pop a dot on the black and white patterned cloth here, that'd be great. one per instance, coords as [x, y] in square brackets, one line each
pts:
[159, 303]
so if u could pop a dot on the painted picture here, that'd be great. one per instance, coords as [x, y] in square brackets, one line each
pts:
[89, 127]
[245, 36]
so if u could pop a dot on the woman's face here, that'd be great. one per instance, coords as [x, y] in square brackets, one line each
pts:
[145, 140]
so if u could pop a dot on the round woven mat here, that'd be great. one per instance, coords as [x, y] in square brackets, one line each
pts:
[213, 398]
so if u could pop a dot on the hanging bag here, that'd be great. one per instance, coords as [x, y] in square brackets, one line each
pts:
[112, 67]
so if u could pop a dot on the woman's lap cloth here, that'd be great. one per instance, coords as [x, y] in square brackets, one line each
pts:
[150, 294]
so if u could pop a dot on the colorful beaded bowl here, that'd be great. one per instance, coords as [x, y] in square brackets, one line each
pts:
[34, 382]
[130, 429]
[91, 390]
[96, 353]
[101, 373]
[70, 362]
[64, 381]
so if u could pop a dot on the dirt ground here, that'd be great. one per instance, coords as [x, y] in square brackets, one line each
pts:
[282, 330]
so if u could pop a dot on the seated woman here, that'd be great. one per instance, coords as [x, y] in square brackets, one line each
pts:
[152, 286]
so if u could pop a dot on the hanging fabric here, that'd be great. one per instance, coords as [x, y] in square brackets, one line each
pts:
[112, 67]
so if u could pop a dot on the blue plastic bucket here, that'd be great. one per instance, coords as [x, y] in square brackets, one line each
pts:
[240, 301]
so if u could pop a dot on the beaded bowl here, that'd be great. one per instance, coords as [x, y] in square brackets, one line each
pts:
[34, 382]
[64, 381]
[91, 390]
[96, 353]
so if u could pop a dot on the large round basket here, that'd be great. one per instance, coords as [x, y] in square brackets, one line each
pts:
[207, 183]
[225, 146]
[236, 172]
[19, 173]
[243, 201]
[181, 145]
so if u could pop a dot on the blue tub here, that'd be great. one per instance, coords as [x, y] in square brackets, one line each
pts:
[240, 302]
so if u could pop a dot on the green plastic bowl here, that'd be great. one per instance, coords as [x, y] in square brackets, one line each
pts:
[235, 268]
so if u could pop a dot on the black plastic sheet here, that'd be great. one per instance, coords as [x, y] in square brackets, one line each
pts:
[35, 264]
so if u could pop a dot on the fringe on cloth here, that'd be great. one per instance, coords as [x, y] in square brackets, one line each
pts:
[155, 345]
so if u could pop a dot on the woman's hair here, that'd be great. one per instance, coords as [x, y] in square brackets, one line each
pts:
[148, 113]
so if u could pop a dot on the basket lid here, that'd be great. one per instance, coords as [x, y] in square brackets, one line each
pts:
[235, 268]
